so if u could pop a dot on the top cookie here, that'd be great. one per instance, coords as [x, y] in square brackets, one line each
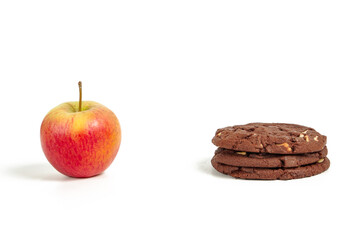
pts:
[279, 138]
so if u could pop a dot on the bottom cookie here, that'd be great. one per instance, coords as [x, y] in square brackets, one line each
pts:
[273, 173]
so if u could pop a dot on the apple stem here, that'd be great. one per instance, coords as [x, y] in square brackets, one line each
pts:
[80, 94]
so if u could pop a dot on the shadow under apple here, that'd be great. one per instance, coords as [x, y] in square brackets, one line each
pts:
[38, 171]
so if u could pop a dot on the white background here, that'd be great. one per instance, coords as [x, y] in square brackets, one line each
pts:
[174, 72]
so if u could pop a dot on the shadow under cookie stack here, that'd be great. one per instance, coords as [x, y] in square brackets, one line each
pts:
[270, 151]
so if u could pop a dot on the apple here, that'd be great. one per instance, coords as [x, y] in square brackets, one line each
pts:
[80, 139]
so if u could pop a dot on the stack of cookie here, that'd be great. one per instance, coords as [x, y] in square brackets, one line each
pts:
[270, 151]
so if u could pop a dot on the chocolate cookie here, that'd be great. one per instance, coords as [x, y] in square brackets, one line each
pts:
[273, 174]
[279, 138]
[266, 160]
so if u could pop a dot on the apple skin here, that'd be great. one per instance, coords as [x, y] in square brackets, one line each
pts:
[80, 144]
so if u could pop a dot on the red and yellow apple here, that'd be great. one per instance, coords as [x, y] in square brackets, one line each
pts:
[80, 141]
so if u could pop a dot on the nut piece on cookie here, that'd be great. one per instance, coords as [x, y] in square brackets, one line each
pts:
[241, 153]
[286, 145]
